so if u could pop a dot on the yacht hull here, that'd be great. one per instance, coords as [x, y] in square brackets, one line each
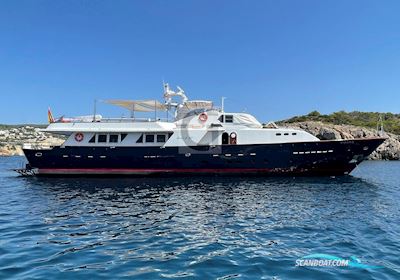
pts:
[321, 158]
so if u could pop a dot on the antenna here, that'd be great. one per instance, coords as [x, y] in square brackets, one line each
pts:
[94, 110]
[223, 103]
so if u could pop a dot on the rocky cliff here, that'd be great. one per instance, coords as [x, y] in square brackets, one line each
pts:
[389, 150]
[12, 139]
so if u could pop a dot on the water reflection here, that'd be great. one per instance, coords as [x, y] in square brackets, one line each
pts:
[176, 227]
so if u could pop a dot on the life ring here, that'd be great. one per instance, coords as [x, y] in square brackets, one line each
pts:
[233, 138]
[203, 117]
[79, 137]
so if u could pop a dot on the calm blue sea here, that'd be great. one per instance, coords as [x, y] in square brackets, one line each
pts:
[199, 228]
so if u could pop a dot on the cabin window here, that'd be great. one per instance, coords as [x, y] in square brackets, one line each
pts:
[221, 118]
[140, 140]
[102, 138]
[278, 134]
[225, 138]
[123, 136]
[160, 138]
[93, 139]
[286, 134]
[294, 133]
[149, 138]
[228, 118]
[169, 135]
[113, 138]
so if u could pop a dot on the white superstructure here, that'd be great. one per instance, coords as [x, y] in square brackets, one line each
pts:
[194, 123]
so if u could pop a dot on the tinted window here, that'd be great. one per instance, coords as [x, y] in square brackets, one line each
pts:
[102, 138]
[123, 135]
[228, 118]
[161, 138]
[278, 134]
[93, 139]
[140, 140]
[113, 138]
[149, 138]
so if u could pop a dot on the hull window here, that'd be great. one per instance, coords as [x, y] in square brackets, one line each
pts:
[113, 138]
[150, 138]
[102, 138]
[160, 138]
[225, 138]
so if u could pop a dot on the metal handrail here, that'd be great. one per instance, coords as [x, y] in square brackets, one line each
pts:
[121, 120]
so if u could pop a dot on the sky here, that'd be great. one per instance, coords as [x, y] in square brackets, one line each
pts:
[273, 59]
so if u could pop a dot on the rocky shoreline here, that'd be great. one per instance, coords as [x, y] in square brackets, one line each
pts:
[389, 150]
[12, 139]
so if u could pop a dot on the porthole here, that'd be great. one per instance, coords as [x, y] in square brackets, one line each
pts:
[38, 154]
[365, 148]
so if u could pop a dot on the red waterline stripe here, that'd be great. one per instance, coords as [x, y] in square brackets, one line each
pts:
[128, 170]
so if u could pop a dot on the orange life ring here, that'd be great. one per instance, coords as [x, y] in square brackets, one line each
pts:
[203, 117]
[79, 137]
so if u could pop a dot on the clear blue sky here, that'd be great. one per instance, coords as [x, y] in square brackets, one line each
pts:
[274, 59]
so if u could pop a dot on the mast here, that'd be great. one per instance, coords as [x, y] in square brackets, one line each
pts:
[223, 103]
[94, 110]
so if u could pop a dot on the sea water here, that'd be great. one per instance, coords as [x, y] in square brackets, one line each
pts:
[200, 227]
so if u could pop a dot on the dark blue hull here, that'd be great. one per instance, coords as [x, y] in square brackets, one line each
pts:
[324, 158]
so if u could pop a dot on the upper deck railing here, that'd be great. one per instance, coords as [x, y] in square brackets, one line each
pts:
[113, 120]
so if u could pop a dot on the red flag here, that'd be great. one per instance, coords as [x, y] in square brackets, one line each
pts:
[50, 116]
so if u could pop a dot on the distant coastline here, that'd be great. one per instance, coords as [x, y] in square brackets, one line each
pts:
[13, 137]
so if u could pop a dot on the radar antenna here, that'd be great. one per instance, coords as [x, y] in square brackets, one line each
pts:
[169, 93]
